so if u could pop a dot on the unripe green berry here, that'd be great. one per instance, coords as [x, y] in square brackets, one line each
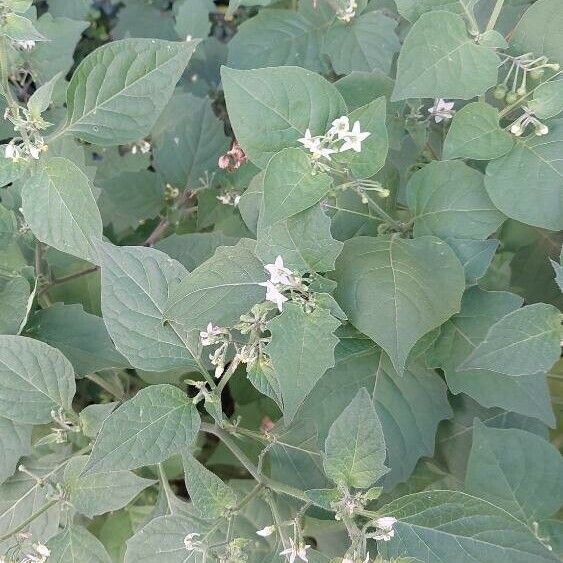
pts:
[537, 73]
[499, 92]
[511, 97]
[521, 91]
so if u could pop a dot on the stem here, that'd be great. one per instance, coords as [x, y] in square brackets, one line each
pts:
[384, 215]
[473, 27]
[163, 480]
[28, 520]
[64, 279]
[99, 380]
[494, 15]
[5, 73]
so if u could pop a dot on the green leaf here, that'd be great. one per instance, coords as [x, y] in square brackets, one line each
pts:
[437, 526]
[184, 153]
[14, 297]
[76, 544]
[367, 43]
[449, 200]
[475, 133]
[396, 290]
[99, 94]
[93, 416]
[147, 429]
[80, 336]
[539, 30]
[270, 108]
[374, 149]
[548, 99]
[355, 447]
[474, 255]
[291, 185]
[41, 99]
[516, 470]
[301, 350]
[360, 88]
[211, 496]
[192, 18]
[263, 376]
[304, 241]
[18, 28]
[162, 539]
[281, 38]
[411, 10]
[459, 337]
[60, 209]
[34, 380]
[15, 442]
[74, 9]
[97, 494]
[136, 283]
[532, 168]
[409, 406]
[524, 342]
[219, 290]
[440, 60]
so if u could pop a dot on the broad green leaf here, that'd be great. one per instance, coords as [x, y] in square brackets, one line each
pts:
[76, 544]
[527, 183]
[524, 342]
[18, 6]
[270, 108]
[15, 442]
[60, 209]
[517, 470]
[41, 99]
[411, 10]
[263, 376]
[74, 9]
[303, 240]
[147, 429]
[219, 290]
[448, 199]
[539, 30]
[474, 255]
[193, 249]
[475, 133]
[301, 350]
[184, 153]
[34, 380]
[162, 539]
[99, 95]
[281, 38]
[409, 406]
[192, 18]
[14, 296]
[360, 88]
[93, 416]
[367, 43]
[92, 495]
[211, 496]
[396, 290]
[144, 19]
[548, 99]
[440, 526]
[527, 395]
[136, 283]
[355, 447]
[80, 336]
[18, 28]
[440, 60]
[10, 171]
[291, 185]
[374, 149]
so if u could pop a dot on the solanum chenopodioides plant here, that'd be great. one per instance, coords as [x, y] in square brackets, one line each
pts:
[324, 335]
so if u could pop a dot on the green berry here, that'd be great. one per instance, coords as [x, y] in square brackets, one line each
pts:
[521, 91]
[499, 92]
[537, 73]
[511, 97]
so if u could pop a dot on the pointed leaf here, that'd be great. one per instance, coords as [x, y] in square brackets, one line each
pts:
[76, 544]
[15, 442]
[474, 255]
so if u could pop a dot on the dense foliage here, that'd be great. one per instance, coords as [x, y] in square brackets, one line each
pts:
[281, 280]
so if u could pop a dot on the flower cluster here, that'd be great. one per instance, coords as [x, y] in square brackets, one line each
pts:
[528, 118]
[322, 146]
[282, 280]
[229, 198]
[24, 45]
[441, 110]
[232, 159]
[383, 528]
[296, 550]
[142, 146]
[31, 143]
[190, 543]
[347, 12]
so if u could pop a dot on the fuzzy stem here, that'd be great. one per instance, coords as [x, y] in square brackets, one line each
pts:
[494, 15]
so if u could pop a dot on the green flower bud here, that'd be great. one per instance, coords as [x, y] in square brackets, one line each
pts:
[499, 92]
[537, 73]
[521, 91]
[511, 97]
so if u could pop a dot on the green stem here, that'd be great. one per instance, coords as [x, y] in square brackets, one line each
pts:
[28, 520]
[106, 386]
[473, 27]
[70, 277]
[494, 15]
[384, 215]
[163, 480]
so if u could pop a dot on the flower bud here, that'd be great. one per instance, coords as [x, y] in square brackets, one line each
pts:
[511, 97]
[516, 129]
[537, 73]
[541, 129]
[521, 91]
[499, 92]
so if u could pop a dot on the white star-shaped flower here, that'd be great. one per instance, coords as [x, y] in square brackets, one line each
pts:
[189, 544]
[353, 139]
[308, 140]
[267, 531]
[279, 273]
[385, 529]
[296, 552]
[441, 110]
[274, 295]
[340, 127]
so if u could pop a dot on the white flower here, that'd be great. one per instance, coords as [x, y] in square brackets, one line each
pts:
[296, 551]
[189, 544]
[34, 151]
[274, 295]
[267, 531]
[382, 535]
[279, 273]
[308, 140]
[42, 550]
[346, 560]
[386, 522]
[353, 139]
[13, 152]
[318, 151]
[441, 110]
[208, 337]
[24, 45]
[340, 127]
